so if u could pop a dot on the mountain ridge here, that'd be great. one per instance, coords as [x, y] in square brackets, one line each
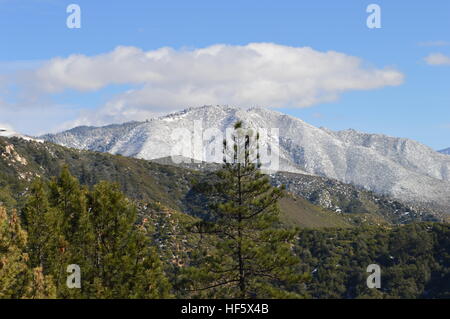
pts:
[399, 167]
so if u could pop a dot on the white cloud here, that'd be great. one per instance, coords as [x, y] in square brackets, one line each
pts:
[262, 74]
[437, 59]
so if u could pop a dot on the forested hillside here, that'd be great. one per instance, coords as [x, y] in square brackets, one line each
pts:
[414, 261]
[175, 187]
[49, 218]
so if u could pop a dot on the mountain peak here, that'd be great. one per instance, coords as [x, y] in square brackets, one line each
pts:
[400, 167]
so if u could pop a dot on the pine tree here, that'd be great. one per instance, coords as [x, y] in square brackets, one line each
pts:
[69, 198]
[36, 213]
[246, 254]
[43, 224]
[17, 278]
[14, 270]
[95, 230]
[54, 215]
[41, 286]
[126, 266]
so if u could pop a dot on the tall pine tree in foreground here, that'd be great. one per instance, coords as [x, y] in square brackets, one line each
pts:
[244, 252]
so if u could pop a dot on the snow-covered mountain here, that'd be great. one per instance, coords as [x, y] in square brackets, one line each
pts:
[399, 167]
[446, 151]
[7, 132]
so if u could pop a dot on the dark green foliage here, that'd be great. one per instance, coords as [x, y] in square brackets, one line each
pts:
[97, 230]
[414, 261]
[17, 278]
[247, 254]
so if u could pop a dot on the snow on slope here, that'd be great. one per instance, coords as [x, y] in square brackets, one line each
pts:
[7, 132]
[446, 151]
[398, 167]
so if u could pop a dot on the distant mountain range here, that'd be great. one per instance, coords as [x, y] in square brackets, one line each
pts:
[6, 132]
[446, 151]
[399, 167]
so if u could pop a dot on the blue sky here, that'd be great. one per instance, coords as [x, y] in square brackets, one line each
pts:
[34, 32]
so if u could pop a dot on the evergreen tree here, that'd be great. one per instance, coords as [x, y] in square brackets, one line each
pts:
[41, 286]
[13, 260]
[246, 254]
[17, 278]
[56, 219]
[96, 230]
[36, 213]
[69, 198]
[125, 264]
